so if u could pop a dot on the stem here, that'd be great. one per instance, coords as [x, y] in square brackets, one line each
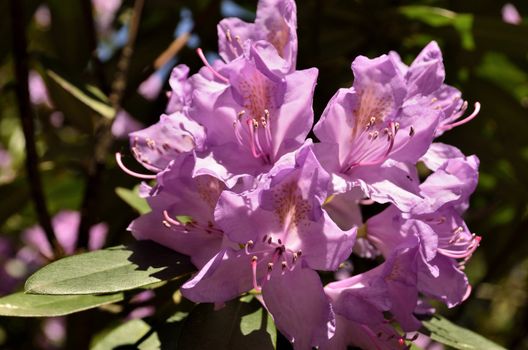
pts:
[19, 42]
[103, 134]
[171, 51]
[119, 84]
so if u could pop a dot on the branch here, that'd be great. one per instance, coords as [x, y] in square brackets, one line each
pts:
[171, 51]
[19, 43]
[103, 134]
[120, 81]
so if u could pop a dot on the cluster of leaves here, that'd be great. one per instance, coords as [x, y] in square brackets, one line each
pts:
[485, 57]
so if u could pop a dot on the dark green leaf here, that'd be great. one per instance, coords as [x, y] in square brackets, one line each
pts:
[128, 334]
[445, 332]
[69, 33]
[439, 17]
[132, 198]
[138, 334]
[88, 95]
[31, 305]
[239, 325]
[110, 270]
[494, 34]
[18, 192]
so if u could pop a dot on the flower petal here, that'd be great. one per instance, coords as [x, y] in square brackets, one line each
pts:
[295, 116]
[199, 246]
[451, 184]
[175, 134]
[390, 182]
[326, 248]
[287, 296]
[181, 95]
[426, 74]
[227, 275]
[234, 213]
[361, 298]
[367, 337]
[451, 285]
[438, 153]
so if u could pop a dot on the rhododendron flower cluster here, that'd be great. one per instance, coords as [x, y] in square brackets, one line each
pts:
[261, 209]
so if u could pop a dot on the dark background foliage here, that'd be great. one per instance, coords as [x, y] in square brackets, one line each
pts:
[485, 58]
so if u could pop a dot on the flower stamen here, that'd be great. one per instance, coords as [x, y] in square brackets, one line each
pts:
[215, 73]
[254, 261]
[170, 220]
[130, 172]
[463, 121]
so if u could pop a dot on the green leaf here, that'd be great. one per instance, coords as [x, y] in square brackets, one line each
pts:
[415, 347]
[32, 305]
[440, 17]
[19, 197]
[493, 34]
[499, 69]
[128, 334]
[138, 334]
[448, 333]
[239, 325]
[132, 198]
[88, 95]
[110, 270]
[69, 34]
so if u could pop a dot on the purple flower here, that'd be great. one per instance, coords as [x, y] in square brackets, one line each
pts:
[367, 337]
[425, 248]
[142, 310]
[366, 131]
[65, 225]
[38, 91]
[344, 209]
[438, 275]
[151, 87]
[361, 298]
[243, 193]
[436, 222]
[391, 286]
[276, 23]
[124, 124]
[192, 200]
[43, 17]
[53, 333]
[439, 153]
[174, 136]
[450, 185]
[425, 342]
[56, 119]
[238, 118]
[105, 12]
[424, 78]
[180, 96]
[382, 123]
[286, 235]
[254, 115]
[511, 15]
